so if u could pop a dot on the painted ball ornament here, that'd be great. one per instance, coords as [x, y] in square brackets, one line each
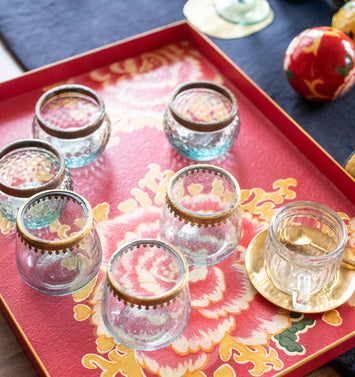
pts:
[344, 19]
[320, 63]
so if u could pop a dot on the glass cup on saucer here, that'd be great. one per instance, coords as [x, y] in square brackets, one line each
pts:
[304, 249]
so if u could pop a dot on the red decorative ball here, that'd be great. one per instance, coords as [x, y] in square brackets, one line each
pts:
[320, 63]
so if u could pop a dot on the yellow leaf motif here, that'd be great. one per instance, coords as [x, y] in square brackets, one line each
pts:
[142, 198]
[101, 212]
[118, 362]
[332, 317]
[157, 182]
[263, 358]
[104, 343]
[6, 226]
[81, 312]
[128, 206]
[258, 202]
[85, 292]
[224, 371]
[96, 75]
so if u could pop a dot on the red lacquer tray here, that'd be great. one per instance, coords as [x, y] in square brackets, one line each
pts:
[233, 330]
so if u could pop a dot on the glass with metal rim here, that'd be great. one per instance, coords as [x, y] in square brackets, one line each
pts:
[62, 253]
[146, 301]
[202, 120]
[73, 118]
[26, 168]
[243, 12]
[201, 214]
[304, 249]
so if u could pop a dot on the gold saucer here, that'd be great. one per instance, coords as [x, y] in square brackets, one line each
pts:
[327, 298]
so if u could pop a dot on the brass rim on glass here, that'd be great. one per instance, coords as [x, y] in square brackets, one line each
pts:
[70, 134]
[143, 301]
[204, 126]
[38, 144]
[57, 246]
[196, 218]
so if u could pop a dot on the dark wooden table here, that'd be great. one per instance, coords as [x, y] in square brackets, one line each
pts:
[13, 359]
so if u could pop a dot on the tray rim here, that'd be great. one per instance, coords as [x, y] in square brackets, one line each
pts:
[155, 38]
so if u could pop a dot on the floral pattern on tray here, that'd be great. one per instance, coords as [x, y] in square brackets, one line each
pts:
[232, 330]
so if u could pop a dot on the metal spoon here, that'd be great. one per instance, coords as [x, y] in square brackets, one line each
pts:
[299, 237]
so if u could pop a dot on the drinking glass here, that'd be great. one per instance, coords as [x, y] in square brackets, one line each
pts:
[201, 214]
[73, 118]
[244, 12]
[202, 120]
[146, 301]
[26, 168]
[304, 249]
[58, 250]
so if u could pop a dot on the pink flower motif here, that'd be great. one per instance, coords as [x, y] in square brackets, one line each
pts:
[142, 223]
[223, 300]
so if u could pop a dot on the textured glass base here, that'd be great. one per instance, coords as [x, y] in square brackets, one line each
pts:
[200, 146]
[170, 330]
[202, 154]
[61, 289]
[244, 12]
[200, 247]
[81, 161]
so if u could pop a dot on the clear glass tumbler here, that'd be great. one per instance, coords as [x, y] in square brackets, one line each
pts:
[304, 249]
[73, 119]
[202, 120]
[201, 214]
[58, 250]
[146, 301]
[26, 168]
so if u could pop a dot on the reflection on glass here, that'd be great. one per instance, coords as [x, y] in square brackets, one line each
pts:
[244, 12]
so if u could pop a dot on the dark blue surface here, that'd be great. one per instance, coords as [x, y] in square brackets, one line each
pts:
[261, 57]
[40, 32]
